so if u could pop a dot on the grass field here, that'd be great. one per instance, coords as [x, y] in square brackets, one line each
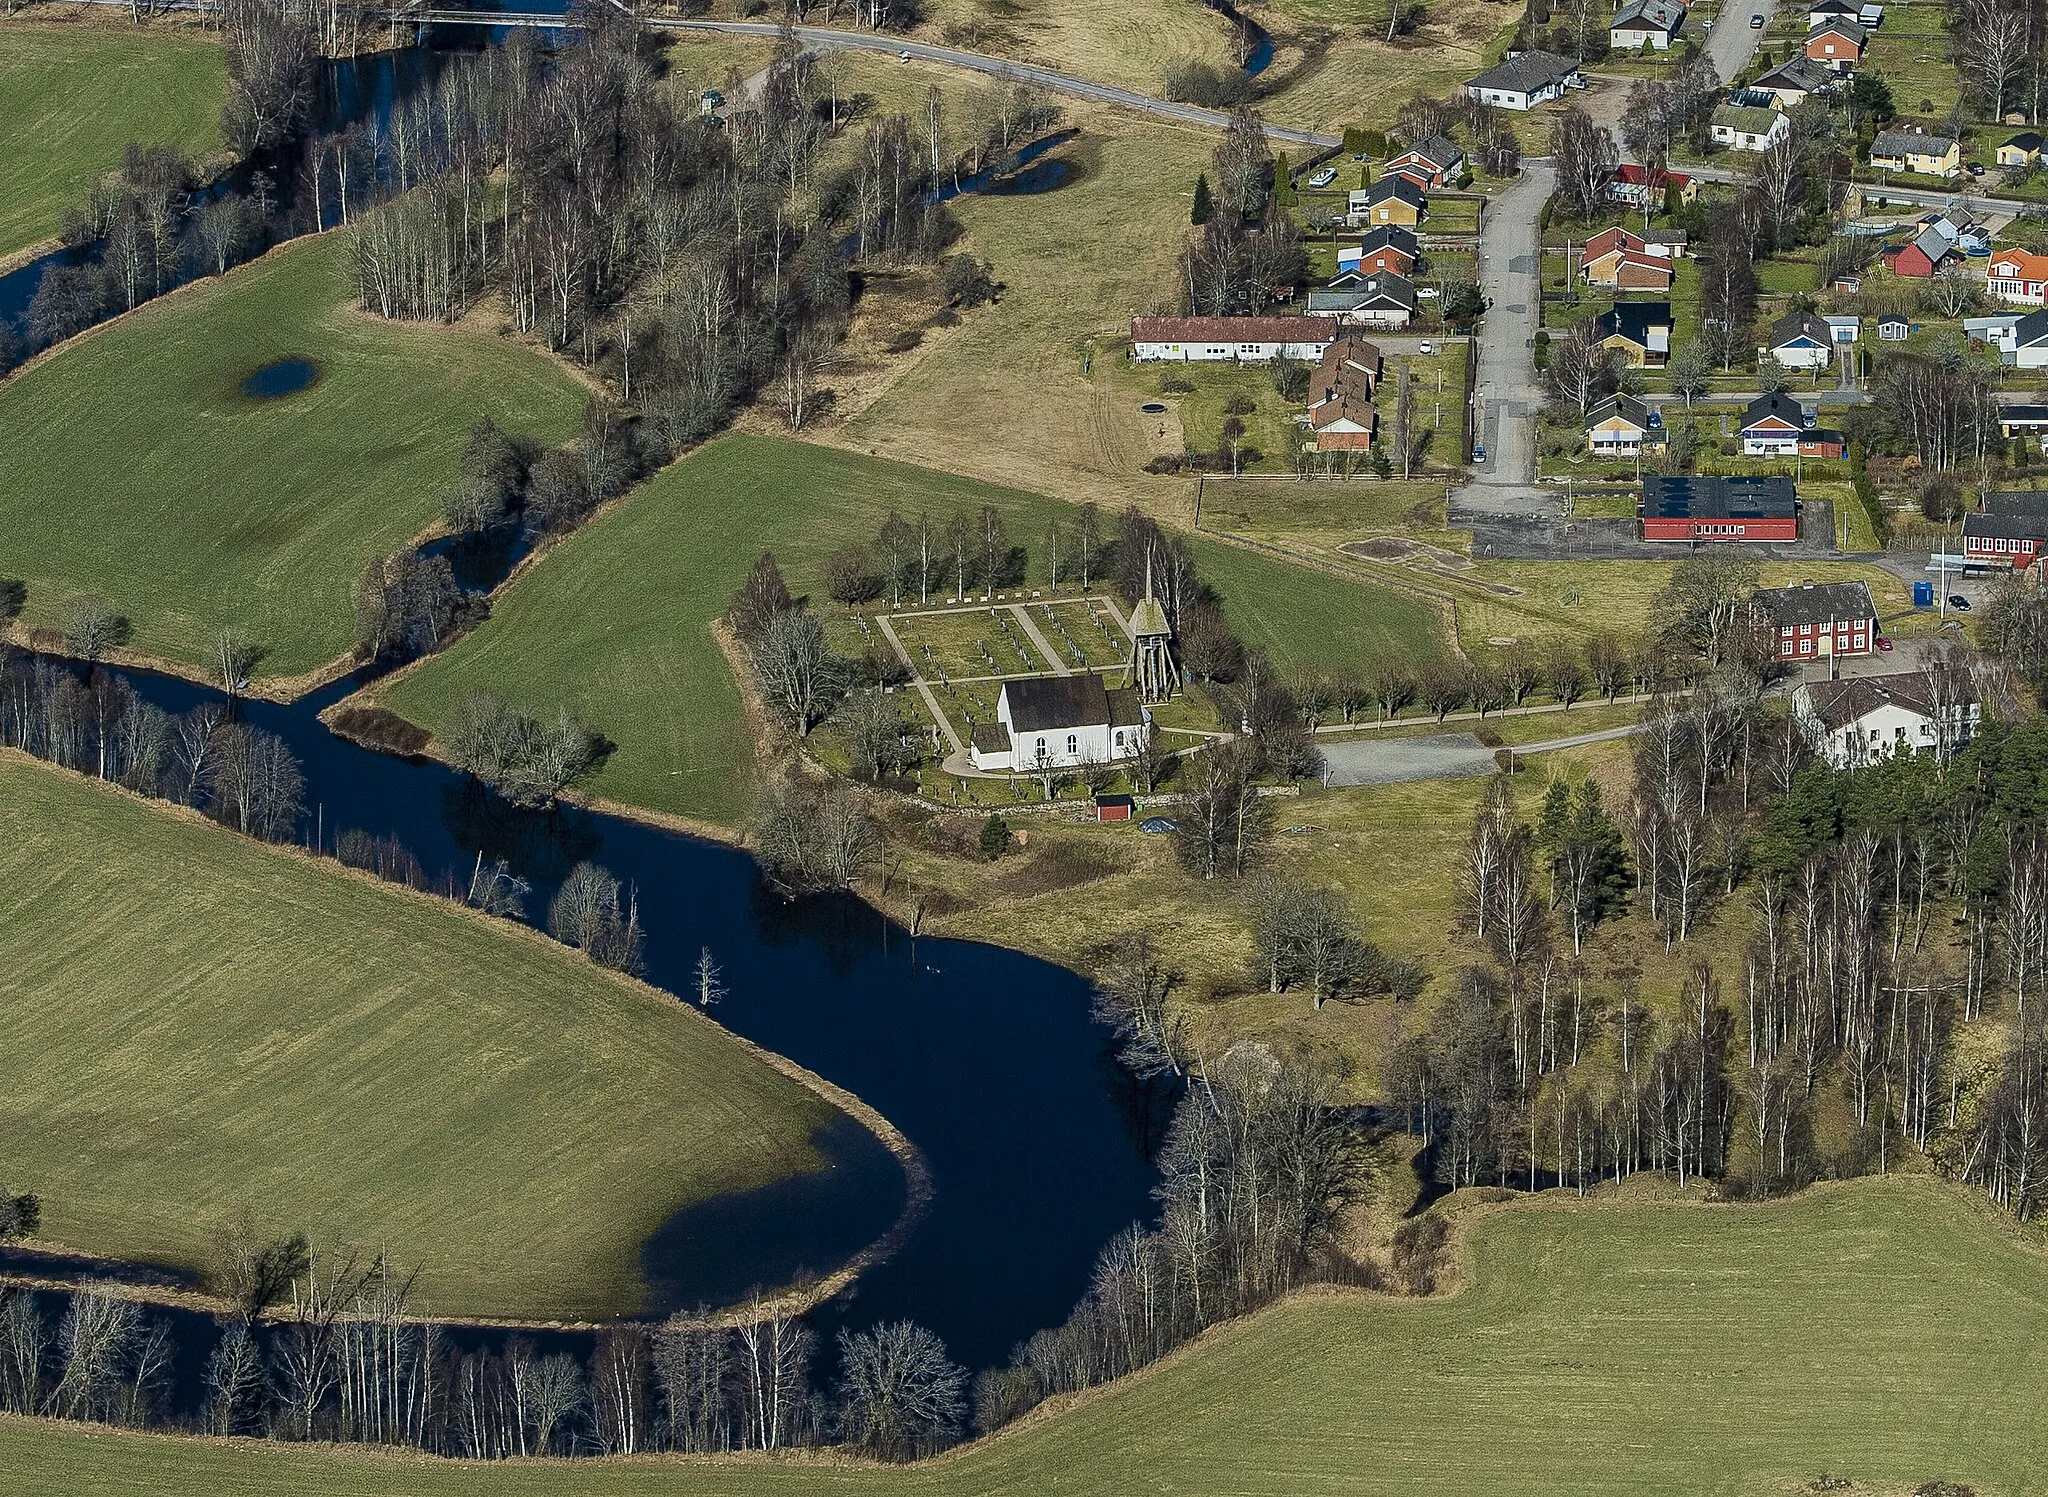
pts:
[195, 1024]
[1881, 1332]
[132, 465]
[615, 622]
[71, 97]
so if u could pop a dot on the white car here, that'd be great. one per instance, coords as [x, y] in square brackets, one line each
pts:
[1427, 346]
[1426, 292]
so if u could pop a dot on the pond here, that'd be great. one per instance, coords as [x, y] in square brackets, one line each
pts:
[285, 377]
[1039, 1145]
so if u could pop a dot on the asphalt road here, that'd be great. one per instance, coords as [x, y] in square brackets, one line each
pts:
[1508, 391]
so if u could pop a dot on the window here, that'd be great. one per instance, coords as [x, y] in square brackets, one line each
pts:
[1041, 748]
[1119, 737]
[1073, 744]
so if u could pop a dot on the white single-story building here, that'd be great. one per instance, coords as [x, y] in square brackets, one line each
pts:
[2029, 347]
[1060, 722]
[1656, 22]
[1749, 127]
[1525, 80]
[1861, 719]
[1802, 340]
[1255, 340]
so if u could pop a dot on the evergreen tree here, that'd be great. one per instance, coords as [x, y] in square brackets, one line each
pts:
[1205, 203]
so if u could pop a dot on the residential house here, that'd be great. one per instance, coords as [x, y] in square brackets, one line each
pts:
[1921, 256]
[1862, 719]
[1525, 80]
[1772, 425]
[1820, 12]
[1060, 722]
[1389, 247]
[1381, 299]
[1748, 127]
[1393, 199]
[1646, 23]
[1996, 331]
[2030, 341]
[1622, 426]
[1794, 81]
[1431, 162]
[2014, 275]
[1914, 150]
[1640, 187]
[2010, 530]
[1802, 340]
[2023, 421]
[1837, 45]
[2023, 149]
[1892, 328]
[1719, 509]
[1221, 339]
[1817, 620]
[1340, 409]
[1617, 258]
[1640, 331]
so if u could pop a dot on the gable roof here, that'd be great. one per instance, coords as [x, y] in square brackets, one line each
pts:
[1840, 26]
[1390, 236]
[1609, 240]
[1439, 151]
[1831, 8]
[1777, 405]
[1816, 603]
[2025, 265]
[2026, 140]
[1038, 703]
[2031, 331]
[1526, 73]
[1650, 15]
[1902, 143]
[2014, 527]
[1382, 288]
[1633, 320]
[1793, 326]
[1741, 498]
[1394, 185]
[1894, 319]
[1797, 73]
[1747, 119]
[1627, 407]
[1839, 703]
[2011, 502]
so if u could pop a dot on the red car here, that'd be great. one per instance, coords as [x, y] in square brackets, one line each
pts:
[1883, 643]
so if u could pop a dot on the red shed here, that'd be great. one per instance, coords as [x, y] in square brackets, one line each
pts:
[1113, 807]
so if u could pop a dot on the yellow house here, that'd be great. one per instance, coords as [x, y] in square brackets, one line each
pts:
[1917, 151]
[1394, 199]
[2022, 150]
[1620, 427]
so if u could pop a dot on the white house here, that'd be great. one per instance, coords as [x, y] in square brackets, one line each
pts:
[1525, 80]
[1655, 22]
[1749, 127]
[1060, 722]
[2029, 348]
[1861, 719]
[1255, 340]
[2014, 275]
[1381, 299]
[1995, 331]
[1802, 340]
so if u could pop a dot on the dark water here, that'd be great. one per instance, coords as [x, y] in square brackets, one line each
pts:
[1018, 174]
[285, 377]
[988, 1060]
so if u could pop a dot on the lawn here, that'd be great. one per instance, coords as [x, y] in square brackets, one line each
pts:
[1882, 1332]
[616, 621]
[985, 642]
[132, 465]
[72, 96]
[196, 1024]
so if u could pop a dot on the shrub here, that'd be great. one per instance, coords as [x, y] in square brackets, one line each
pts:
[995, 837]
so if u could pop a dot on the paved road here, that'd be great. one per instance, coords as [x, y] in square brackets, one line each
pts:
[1445, 756]
[1508, 391]
[1733, 41]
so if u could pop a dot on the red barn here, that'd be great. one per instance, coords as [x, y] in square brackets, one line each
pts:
[1719, 509]
[1113, 807]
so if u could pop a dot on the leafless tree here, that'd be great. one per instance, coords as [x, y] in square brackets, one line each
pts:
[900, 1396]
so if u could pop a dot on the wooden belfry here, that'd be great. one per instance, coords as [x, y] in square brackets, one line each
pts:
[1151, 669]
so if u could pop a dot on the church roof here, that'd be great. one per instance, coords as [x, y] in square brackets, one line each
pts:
[1038, 703]
[1148, 618]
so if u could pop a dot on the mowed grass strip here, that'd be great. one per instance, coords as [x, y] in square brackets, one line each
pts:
[1882, 1331]
[132, 465]
[72, 96]
[616, 621]
[192, 1024]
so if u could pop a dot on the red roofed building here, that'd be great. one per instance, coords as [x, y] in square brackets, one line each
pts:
[2016, 276]
[1644, 188]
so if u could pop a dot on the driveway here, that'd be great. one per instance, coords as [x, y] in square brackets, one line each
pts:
[1508, 392]
[1441, 756]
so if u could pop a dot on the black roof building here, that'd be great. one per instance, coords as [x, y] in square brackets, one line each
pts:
[1040, 703]
[1741, 498]
[1815, 603]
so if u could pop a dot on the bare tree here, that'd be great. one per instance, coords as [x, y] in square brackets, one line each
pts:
[900, 1396]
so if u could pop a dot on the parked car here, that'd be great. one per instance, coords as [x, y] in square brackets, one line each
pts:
[1974, 169]
[1478, 452]
[1883, 642]
[1959, 603]
[1756, 22]
[1324, 177]
[1427, 346]
[1427, 292]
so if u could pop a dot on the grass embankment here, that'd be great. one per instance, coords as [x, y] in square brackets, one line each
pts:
[195, 1024]
[72, 96]
[1881, 1332]
[132, 465]
[616, 622]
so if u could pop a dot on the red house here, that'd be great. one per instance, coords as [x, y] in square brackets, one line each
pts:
[1719, 509]
[1921, 256]
[2011, 530]
[1813, 622]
